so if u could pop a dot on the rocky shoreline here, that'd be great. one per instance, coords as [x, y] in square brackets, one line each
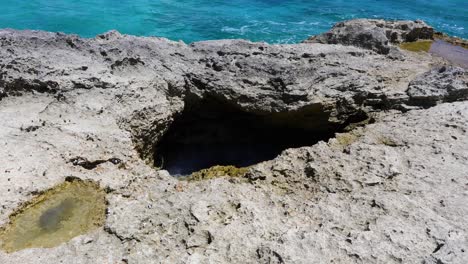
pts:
[373, 137]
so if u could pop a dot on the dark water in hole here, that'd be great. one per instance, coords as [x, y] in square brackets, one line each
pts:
[188, 158]
[212, 133]
[50, 220]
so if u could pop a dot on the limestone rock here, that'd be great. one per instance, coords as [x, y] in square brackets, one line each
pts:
[374, 34]
[445, 83]
[389, 187]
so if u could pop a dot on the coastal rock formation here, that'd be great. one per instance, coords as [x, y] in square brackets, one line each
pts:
[374, 34]
[369, 149]
[442, 85]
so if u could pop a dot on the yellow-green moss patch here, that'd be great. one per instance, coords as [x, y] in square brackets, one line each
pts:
[417, 46]
[346, 139]
[218, 171]
[343, 140]
[57, 215]
[388, 141]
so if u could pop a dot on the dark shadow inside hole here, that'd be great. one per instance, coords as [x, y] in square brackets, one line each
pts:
[211, 132]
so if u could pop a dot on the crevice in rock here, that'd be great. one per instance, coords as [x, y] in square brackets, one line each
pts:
[439, 246]
[211, 132]
[120, 237]
[90, 165]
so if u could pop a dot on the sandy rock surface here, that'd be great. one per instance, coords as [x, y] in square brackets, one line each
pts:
[389, 190]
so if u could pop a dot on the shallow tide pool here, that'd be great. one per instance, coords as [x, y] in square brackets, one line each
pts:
[57, 215]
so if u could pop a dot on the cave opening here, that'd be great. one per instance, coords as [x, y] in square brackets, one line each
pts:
[211, 132]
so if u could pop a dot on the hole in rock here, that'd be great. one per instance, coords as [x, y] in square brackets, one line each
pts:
[210, 132]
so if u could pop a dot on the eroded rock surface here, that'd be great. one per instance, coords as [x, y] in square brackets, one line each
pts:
[392, 192]
[374, 34]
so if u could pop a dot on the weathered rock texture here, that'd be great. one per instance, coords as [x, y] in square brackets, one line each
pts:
[374, 34]
[390, 192]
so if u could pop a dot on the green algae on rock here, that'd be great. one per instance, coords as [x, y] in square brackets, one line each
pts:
[217, 171]
[57, 215]
[417, 46]
[346, 139]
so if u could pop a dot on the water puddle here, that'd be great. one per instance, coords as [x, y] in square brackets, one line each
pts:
[455, 54]
[70, 209]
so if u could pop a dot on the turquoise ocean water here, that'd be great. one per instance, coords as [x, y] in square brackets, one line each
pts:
[273, 21]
